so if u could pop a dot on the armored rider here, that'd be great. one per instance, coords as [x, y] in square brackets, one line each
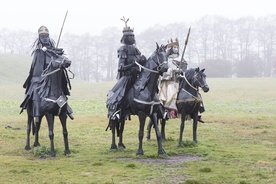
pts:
[42, 50]
[128, 72]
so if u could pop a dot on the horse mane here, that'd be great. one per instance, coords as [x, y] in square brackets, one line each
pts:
[161, 48]
[189, 73]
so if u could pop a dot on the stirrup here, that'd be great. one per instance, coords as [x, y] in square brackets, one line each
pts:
[115, 115]
[166, 116]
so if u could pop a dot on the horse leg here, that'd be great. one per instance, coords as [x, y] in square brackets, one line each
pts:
[161, 151]
[122, 126]
[113, 125]
[37, 127]
[29, 126]
[195, 121]
[63, 118]
[142, 118]
[163, 124]
[50, 120]
[149, 129]
[182, 126]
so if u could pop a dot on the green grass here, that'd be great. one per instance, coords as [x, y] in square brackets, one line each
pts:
[236, 144]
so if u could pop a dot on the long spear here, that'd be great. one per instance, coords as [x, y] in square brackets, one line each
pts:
[61, 28]
[186, 42]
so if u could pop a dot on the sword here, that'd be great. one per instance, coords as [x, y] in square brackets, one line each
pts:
[61, 28]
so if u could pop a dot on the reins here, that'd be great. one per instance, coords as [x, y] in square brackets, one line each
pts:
[44, 73]
[183, 76]
[150, 70]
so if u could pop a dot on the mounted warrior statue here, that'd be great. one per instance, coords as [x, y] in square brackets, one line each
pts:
[169, 82]
[135, 92]
[128, 72]
[43, 49]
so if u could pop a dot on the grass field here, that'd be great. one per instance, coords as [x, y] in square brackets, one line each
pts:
[237, 144]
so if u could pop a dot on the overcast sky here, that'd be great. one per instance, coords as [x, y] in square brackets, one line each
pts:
[94, 15]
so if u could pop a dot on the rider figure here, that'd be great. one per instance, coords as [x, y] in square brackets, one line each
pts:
[43, 50]
[169, 82]
[168, 85]
[128, 72]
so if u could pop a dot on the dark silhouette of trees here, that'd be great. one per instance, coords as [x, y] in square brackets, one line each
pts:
[244, 47]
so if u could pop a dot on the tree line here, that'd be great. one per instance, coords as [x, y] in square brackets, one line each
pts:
[244, 47]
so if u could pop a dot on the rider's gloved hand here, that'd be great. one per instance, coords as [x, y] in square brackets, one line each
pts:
[183, 65]
[142, 60]
[59, 51]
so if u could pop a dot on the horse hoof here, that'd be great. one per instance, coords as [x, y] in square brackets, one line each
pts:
[140, 153]
[27, 148]
[162, 153]
[67, 152]
[121, 145]
[113, 147]
[36, 144]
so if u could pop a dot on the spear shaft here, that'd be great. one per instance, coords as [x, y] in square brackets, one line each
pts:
[186, 42]
[61, 29]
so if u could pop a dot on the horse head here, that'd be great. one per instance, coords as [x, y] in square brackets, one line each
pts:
[199, 80]
[57, 63]
[158, 61]
[60, 62]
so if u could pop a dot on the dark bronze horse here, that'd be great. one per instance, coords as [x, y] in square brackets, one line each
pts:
[143, 100]
[53, 90]
[189, 100]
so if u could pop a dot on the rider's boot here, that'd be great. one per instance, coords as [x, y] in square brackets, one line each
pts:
[173, 113]
[70, 112]
[200, 118]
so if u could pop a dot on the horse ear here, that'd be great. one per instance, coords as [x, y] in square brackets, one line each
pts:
[203, 70]
[157, 46]
[197, 69]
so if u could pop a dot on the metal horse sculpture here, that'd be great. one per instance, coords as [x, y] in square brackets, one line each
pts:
[189, 100]
[53, 90]
[143, 100]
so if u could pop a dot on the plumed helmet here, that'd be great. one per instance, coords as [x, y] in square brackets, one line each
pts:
[127, 30]
[43, 30]
[172, 43]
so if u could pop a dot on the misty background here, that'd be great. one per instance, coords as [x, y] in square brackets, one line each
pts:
[228, 38]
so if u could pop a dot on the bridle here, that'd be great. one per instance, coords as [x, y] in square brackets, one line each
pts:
[196, 79]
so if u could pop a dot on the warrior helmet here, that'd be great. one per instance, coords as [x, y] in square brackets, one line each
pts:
[43, 30]
[128, 35]
[127, 30]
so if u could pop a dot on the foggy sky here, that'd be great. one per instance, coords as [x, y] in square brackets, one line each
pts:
[89, 16]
